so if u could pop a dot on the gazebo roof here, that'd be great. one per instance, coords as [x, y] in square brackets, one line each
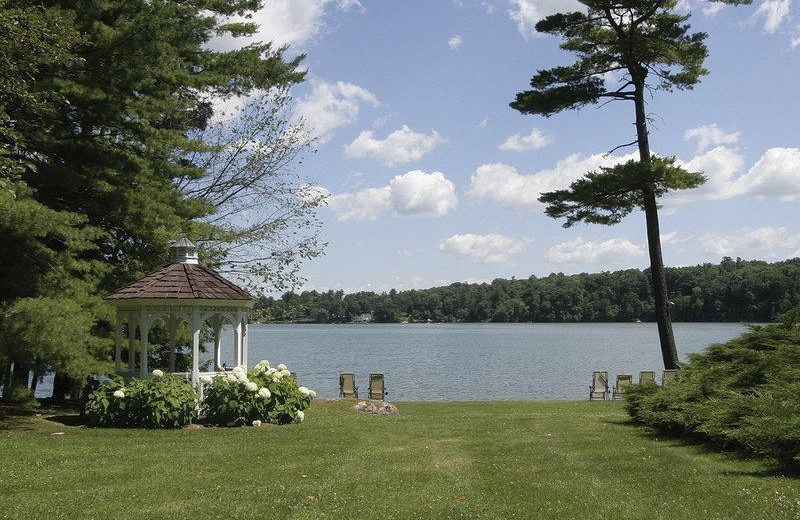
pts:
[182, 281]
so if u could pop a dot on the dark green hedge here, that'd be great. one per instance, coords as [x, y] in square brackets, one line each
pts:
[744, 393]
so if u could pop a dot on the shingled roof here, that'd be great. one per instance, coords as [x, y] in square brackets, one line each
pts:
[181, 281]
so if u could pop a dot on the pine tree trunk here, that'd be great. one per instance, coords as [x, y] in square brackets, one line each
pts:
[17, 389]
[669, 352]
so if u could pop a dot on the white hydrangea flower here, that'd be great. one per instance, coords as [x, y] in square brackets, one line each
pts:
[277, 376]
[119, 393]
[312, 393]
[303, 390]
[158, 373]
[241, 376]
[251, 387]
[264, 393]
[282, 367]
[206, 380]
[264, 363]
[271, 371]
[256, 423]
[285, 373]
[299, 417]
[231, 378]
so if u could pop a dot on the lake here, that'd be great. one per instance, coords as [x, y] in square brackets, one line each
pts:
[474, 361]
[469, 361]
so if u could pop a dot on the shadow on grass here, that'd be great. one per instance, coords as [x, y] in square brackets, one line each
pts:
[23, 417]
[702, 444]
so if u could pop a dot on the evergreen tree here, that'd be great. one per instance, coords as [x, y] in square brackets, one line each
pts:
[651, 47]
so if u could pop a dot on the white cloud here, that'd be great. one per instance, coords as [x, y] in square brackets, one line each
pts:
[710, 135]
[331, 105]
[399, 147]
[713, 8]
[774, 13]
[520, 143]
[490, 8]
[417, 193]
[580, 251]
[484, 122]
[673, 238]
[502, 183]
[413, 194]
[489, 249]
[286, 22]
[747, 240]
[721, 165]
[776, 174]
[366, 204]
[527, 12]
[455, 42]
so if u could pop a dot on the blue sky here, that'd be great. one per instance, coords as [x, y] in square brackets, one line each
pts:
[433, 179]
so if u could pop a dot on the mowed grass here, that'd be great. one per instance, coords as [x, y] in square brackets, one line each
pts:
[576, 460]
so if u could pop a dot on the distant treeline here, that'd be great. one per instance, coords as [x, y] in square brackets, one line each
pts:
[733, 290]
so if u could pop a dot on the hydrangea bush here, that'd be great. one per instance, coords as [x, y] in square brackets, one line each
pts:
[163, 401]
[264, 394]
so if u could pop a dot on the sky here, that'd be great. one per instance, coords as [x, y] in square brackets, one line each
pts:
[433, 179]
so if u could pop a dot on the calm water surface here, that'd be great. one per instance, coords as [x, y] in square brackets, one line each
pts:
[479, 361]
[468, 361]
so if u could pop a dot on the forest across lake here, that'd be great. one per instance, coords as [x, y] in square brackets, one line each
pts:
[731, 291]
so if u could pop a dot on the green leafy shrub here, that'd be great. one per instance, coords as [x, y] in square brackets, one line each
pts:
[264, 394]
[743, 393]
[163, 401]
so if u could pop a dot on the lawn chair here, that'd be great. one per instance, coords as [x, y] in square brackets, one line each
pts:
[623, 381]
[599, 386]
[669, 375]
[647, 376]
[377, 390]
[347, 386]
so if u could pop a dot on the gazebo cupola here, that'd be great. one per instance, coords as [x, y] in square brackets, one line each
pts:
[183, 291]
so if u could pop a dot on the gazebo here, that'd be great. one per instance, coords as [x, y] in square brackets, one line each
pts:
[183, 291]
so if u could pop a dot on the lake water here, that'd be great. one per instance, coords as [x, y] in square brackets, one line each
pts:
[474, 361]
[469, 361]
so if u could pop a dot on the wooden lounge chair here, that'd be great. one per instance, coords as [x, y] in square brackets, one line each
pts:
[377, 390]
[669, 375]
[347, 386]
[647, 376]
[599, 387]
[623, 381]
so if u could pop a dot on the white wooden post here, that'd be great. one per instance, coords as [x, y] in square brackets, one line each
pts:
[173, 331]
[197, 324]
[144, 332]
[131, 343]
[244, 340]
[216, 324]
[118, 344]
[237, 337]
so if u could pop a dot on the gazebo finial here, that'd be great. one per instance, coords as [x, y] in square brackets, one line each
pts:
[184, 252]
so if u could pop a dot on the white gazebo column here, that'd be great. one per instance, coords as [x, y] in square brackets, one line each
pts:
[118, 344]
[172, 324]
[131, 343]
[237, 338]
[144, 332]
[244, 340]
[196, 324]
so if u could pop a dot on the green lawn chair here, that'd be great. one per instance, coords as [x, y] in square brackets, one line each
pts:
[377, 390]
[599, 387]
[646, 376]
[347, 386]
[623, 381]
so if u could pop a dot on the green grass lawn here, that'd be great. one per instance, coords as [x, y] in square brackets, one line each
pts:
[522, 460]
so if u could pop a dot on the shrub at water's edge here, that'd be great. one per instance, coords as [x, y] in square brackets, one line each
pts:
[743, 393]
[238, 398]
[163, 401]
